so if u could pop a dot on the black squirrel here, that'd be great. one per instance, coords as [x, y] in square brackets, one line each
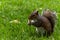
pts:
[43, 21]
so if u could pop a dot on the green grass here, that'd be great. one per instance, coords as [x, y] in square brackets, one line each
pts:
[20, 10]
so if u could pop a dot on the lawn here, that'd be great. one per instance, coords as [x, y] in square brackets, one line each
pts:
[14, 15]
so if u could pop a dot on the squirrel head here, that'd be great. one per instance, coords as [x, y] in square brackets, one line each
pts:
[32, 18]
[34, 14]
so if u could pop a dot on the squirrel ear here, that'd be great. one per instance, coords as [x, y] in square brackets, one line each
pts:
[36, 12]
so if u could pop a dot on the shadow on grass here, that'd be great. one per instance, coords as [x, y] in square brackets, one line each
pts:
[38, 35]
[35, 34]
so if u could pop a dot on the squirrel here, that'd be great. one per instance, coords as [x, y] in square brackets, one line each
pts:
[41, 22]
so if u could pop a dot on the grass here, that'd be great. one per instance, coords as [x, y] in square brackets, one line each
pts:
[20, 10]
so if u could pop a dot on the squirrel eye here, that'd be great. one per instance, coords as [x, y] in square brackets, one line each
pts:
[33, 15]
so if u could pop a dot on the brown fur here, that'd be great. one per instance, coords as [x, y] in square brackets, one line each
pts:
[51, 16]
[42, 21]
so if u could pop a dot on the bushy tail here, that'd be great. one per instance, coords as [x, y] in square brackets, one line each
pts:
[51, 16]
